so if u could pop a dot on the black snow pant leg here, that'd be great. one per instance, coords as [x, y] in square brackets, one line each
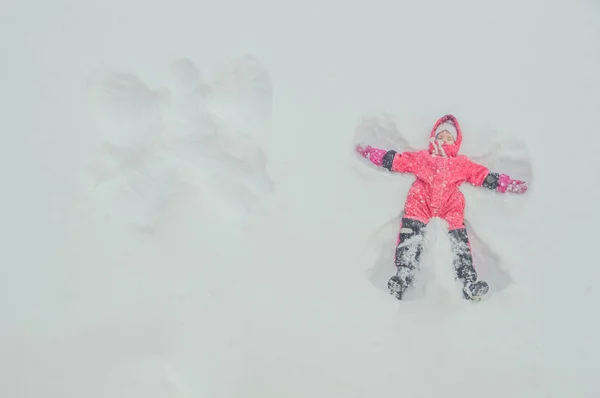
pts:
[463, 258]
[409, 249]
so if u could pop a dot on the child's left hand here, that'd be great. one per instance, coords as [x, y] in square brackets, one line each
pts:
[507, 184]
[516, 186]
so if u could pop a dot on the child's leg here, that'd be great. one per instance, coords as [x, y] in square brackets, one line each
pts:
[463, 258]
[409, 248]
[463, 265]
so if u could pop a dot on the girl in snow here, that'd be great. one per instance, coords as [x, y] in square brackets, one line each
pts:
[435, 193]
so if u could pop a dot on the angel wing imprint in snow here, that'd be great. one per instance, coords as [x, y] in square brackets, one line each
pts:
[509, 157]
[126, 110]
[241, 95]
[381, 132]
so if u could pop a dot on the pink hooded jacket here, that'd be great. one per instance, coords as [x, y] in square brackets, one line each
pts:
[440, 171]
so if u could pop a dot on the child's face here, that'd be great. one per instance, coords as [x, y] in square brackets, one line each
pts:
[445, 137]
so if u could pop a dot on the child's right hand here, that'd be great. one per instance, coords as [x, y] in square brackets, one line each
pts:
[364, 151]
[373, 154]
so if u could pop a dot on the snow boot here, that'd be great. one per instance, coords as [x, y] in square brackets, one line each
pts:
[475, 291]
[397, 286]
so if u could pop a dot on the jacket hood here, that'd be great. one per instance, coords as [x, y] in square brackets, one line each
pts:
[448, 150]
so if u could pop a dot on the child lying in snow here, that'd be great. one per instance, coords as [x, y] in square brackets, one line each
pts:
[439, 171]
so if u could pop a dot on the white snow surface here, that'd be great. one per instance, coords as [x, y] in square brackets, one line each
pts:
[183, 213]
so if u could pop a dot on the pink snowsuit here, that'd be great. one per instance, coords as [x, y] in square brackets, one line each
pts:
[435, 193]
[439, 173]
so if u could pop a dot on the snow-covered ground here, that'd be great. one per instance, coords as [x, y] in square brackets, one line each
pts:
[183, 214]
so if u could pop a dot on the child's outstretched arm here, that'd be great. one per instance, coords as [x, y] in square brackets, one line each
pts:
[503, 183]
[388, 159]
[481, 176]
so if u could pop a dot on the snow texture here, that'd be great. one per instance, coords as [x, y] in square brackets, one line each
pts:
[184, 215]
[211, 136]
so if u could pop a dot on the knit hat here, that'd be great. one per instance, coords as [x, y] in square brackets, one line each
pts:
[448, 127]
